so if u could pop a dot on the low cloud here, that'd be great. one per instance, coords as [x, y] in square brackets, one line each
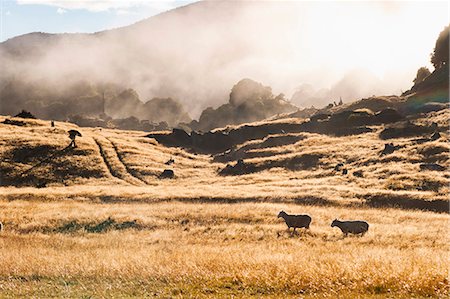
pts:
[105, 5]
[61, 11]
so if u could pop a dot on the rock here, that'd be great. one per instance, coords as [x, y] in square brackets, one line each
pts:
[25, 114]
[238, 169]
[14, 122]
[405, 129]
[211, 142]
[170, 162]
[338, 166]
[184, 222]
[435, 136]
[177, 137]
[388, 115]
[389, 148]
[358, 173]
[431, 107]
[320, 117]
[167, 174]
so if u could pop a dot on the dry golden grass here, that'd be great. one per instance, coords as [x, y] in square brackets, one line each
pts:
[217, 249]
[205, 235]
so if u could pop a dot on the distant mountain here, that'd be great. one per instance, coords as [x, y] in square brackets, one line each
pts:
[191, 55]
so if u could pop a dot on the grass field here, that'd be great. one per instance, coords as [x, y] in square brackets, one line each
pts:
[96, 222]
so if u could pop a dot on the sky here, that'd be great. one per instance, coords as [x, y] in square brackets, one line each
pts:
[57, 16]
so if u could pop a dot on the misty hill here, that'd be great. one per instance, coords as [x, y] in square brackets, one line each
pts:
[158, 110]
[192, 54]
[167, 56]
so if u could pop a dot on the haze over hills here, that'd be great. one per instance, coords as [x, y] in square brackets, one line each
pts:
[191, 55]
[128, 197]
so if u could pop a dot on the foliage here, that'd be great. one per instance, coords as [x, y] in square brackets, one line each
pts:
[422, 73]
[439, 57]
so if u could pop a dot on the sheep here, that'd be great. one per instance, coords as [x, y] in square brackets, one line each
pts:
[1, 226]
[295, 221]
[353, 227]
[72, 135]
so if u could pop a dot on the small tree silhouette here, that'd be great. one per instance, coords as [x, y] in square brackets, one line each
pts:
[439, 57]
[422, 73]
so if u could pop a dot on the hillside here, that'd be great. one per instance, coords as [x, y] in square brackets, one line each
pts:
[296, 165]
[99, 221]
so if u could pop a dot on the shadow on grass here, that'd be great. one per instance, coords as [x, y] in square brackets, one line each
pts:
[407, 203]
[307, 200]
[98, 227]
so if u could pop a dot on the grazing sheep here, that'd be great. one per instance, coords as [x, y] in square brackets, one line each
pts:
[1, 226]
[352, 227]
[72, 135]
[295, 221]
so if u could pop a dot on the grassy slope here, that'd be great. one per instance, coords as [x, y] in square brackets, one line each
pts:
[135, 161]
[206, 235]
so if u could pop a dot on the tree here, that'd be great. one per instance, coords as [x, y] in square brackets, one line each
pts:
[422, 73]
[439, 57]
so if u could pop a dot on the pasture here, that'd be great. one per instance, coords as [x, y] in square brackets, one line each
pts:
[96, 222]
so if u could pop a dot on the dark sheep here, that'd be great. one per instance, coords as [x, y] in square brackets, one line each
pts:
[72, 135]
[295, 221]
[352, 227]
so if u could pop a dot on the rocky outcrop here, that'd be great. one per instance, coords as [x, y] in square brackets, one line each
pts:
[222, 140]
[405, 129]
[249, 101]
